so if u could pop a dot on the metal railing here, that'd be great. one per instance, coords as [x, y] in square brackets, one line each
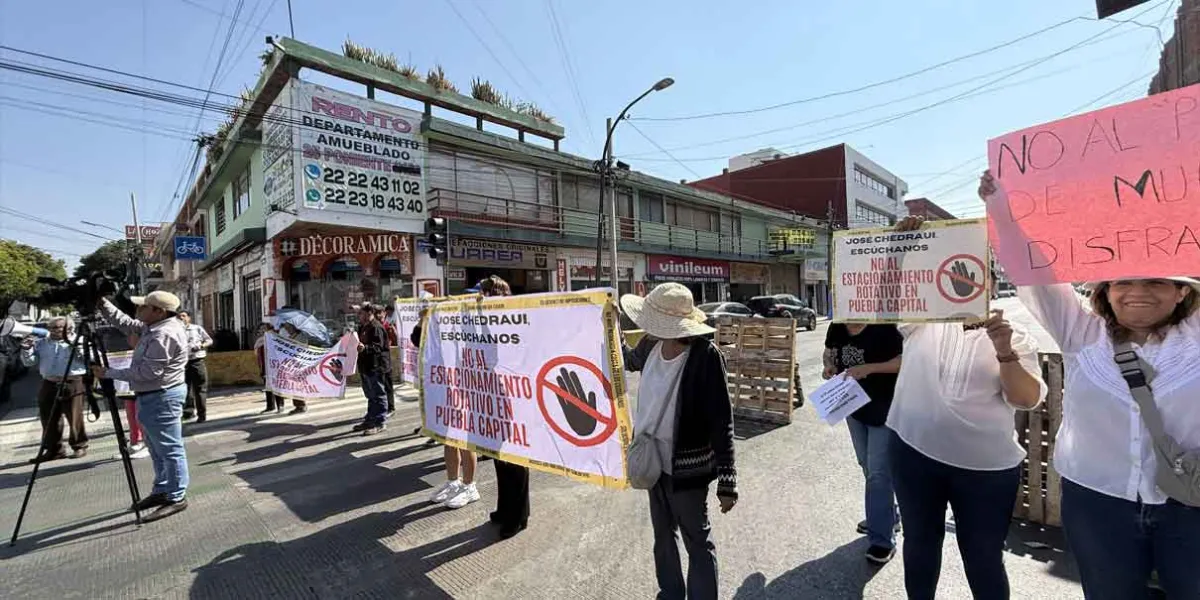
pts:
[509, 214]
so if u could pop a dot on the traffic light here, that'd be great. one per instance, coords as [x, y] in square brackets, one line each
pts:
[436, 237]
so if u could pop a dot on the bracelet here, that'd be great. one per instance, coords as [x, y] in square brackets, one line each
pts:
[1007, 358]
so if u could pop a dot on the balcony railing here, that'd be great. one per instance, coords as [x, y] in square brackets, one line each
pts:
[508, 214]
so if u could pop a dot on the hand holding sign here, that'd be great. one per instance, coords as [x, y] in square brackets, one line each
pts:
[1000, 331]
[579, 420]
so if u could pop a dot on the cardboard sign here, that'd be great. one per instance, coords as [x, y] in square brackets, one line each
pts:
[936, 274]
[534, 380]
[1109, 194]
[299, 371]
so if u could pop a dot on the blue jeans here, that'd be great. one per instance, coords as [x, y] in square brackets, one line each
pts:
[1117, 543]
[159, 414]
[872, 446]
[376, 393]
[983, 504]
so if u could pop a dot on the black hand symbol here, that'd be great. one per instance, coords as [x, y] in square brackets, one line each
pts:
[963, 279]
[583, 423]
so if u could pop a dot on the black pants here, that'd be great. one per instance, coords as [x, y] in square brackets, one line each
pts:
[55, 406]
[391, 391]
[196, 376]
[982, 502]
[512, 494]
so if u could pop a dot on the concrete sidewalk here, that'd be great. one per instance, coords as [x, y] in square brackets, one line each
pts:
[299, 507]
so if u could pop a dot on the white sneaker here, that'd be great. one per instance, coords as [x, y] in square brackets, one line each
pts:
[141, 452]
[447, 491]
[466, 495]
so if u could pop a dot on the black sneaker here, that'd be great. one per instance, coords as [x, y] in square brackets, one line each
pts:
[151, 501]
[166, 510]
[863, 530]
[374, 429]
[880, 555]
[361, 427]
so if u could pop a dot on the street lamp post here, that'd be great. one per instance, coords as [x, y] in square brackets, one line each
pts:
[604, 167]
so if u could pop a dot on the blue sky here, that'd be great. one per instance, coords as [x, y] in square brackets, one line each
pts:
[725, 56]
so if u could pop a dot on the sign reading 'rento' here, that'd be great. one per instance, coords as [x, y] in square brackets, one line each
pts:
[1104, 195]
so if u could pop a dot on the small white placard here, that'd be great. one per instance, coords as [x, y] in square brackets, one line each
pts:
[837, 398]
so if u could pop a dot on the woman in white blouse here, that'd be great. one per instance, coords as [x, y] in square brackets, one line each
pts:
[1119, 524]
[955, 444]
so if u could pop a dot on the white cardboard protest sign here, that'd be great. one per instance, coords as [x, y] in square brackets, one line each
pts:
[838, 398]
[939, 273]
[534, 380]
[300, 371]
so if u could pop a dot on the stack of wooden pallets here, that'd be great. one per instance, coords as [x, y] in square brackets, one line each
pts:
[760, 357]
[1039, 498]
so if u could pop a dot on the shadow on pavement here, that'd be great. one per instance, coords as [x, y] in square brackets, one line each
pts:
[344, 561]
[88, 529]
[48, 469]
[843, 573]
[745, 429]
[1045, 545]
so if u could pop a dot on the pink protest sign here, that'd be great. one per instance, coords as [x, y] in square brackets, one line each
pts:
[1104, 195]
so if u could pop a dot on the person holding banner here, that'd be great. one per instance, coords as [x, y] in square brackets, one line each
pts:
[683, 375]
[1133, 393]
[374, 367]
[871, 355]
[956, 396]
[274, 403]
[289, 332]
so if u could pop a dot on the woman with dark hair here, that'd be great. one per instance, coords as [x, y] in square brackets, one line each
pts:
[683, 376]
[1132, 389]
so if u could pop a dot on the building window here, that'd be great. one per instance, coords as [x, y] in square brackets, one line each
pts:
[241, 193]
[219, 218]
[868, 215]
[651, 207]
[874, 184]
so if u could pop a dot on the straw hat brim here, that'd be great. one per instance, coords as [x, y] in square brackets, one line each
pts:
[661, 325]
[1189, 281]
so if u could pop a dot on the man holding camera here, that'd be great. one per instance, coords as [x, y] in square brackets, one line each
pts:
[157, 377]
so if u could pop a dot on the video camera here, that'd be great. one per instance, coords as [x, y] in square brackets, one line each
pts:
[83, 293]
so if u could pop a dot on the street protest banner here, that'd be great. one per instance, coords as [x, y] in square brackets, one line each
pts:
[405, 316]
[534, 380]
[1104, 195]
[300, 371]
[938, 273]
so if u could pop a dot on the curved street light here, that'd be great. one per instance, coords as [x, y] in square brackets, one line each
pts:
[604, 167]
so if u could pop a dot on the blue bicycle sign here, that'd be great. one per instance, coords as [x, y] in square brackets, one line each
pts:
[190, 248]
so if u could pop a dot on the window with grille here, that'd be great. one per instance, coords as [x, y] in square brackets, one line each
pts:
[867, 215]
[651, 207]
[873, 183]
[219, 217]
[241, 193]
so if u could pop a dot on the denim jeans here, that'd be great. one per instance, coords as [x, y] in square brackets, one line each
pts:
[160, 414]
[671, 511]
[983, 504]
[376, 393]
[872, 446]
[1117, 543]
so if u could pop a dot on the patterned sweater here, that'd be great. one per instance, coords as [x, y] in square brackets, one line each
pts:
[703, 418]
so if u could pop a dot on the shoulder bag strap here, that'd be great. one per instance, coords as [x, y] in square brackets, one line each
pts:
[1138, 375]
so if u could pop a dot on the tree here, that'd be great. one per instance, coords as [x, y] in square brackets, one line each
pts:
[110, 256]
[20, 266]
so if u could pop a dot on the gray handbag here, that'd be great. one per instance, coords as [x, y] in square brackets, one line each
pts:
[644, 459]
[1178, 473]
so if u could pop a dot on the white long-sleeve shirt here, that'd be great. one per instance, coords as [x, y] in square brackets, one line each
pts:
[1103, 444]
[949, 404]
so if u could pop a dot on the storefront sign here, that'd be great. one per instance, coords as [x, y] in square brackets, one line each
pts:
[225, 278]
[280, 185]
[149, 232]
[532, 380]
[816, 269]
[563, 284]
[797, 237]
[752, 273]
[471, 252]
[677, 268]
[456, 274]
[341, 245]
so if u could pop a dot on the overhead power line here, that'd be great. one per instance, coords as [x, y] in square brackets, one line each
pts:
[565, 56]
[29, 217]
[664, 151]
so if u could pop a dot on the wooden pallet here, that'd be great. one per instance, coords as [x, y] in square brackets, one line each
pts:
[760, 358]
[1039, 496]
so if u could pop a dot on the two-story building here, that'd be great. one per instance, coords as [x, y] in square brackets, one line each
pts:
[317, 199]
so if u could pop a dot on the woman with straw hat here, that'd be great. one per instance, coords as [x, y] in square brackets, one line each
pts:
[683, 378]
[1128, 448]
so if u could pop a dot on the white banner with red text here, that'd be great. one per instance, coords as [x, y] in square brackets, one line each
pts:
[300, 371]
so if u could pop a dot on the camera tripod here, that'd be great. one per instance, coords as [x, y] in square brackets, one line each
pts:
[87, 343]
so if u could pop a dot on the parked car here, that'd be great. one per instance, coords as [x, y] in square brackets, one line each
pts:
[1009, 292]
[724, 309]
[785, 306]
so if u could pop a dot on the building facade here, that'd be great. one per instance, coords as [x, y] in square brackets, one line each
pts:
[1179, 64]
[926, 208]
[318, 197]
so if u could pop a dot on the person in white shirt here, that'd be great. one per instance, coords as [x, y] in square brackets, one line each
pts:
[955, 444]
[1119, 524]
[196, 371]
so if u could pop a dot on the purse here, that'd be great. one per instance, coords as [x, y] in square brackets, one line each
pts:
[1178, 474]
[644, 458]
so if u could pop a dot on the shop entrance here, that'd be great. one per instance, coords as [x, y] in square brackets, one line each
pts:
[521, 281]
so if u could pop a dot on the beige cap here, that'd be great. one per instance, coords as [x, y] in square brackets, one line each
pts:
[160, 299]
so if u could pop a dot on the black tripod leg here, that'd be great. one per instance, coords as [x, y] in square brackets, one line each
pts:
[100, 356]
[37, 464]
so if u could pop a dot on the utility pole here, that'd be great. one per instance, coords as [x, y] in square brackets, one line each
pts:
[612, 215]
[829, 255]
[137, 251]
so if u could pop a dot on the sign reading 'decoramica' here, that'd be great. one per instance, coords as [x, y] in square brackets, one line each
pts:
[938, 273]
[1104, 195]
